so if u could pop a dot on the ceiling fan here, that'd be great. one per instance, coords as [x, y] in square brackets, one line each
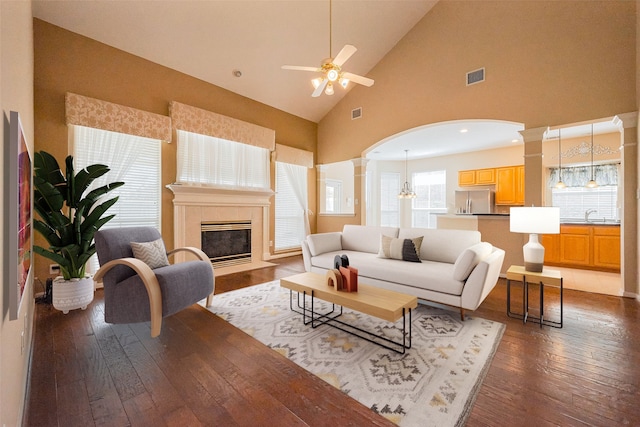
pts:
[331, 69]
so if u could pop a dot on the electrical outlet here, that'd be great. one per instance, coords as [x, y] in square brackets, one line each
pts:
[54, 269]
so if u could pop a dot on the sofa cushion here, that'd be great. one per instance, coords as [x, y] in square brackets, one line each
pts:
[433, 276]
[469, 258]
[324, 242]
[403, 249]
[365, 238]
[441, 245]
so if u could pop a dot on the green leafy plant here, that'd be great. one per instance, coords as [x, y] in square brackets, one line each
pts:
[70, 217]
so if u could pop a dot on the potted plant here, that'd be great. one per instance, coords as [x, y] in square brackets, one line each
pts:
[70, 217]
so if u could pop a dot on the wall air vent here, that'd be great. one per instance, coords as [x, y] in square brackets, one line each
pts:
[356, 113]
[475, 76]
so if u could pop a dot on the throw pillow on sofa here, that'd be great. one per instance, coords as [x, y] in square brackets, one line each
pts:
[402, 249]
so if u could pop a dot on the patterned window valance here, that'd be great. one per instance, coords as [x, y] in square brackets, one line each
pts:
[294, 156]
[578, 176]
[94, 113]
[197, 120]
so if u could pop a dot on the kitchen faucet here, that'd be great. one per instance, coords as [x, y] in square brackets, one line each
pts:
[587, 213]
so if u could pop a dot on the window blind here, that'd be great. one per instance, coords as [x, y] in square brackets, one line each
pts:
[219, 162]
[132, 159]
[389, 204]
[431, 190]
[290, 213]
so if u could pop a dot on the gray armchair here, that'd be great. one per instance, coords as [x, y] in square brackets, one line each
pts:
[133, 292]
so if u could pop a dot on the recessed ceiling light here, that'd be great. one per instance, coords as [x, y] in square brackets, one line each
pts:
[464, 130]
[514, 140]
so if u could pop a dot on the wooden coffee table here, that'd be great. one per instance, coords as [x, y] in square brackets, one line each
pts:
[371, 300]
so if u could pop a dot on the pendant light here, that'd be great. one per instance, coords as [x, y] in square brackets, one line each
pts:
[406, 192]
[592, 183]
[560, 185]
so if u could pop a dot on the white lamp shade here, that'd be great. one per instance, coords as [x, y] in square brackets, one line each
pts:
[537, 220]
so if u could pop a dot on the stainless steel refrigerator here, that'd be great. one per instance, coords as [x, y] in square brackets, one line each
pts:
[475, 201]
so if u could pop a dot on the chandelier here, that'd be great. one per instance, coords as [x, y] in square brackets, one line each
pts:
[406, 192]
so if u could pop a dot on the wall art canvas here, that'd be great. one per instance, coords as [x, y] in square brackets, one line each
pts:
[20, 213]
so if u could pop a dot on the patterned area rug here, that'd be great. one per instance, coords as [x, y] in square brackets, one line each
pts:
[434, 384]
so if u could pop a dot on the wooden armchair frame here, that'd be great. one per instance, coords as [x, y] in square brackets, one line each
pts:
[151, 282]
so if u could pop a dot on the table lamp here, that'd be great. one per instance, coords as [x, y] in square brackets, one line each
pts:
[535, 221]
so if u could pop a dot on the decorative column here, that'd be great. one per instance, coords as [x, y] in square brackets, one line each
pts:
[360, 189]
[533, 171]
[629, 233]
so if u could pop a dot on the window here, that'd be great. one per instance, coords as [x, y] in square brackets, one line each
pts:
[336, 191]
[132, 159]
[333, 195]
[389, 203]
[431, 189]
[575, 200]
[291, 205]
[203, 159]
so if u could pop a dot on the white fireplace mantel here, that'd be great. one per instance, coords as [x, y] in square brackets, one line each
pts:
[194, 205]
[214, 196]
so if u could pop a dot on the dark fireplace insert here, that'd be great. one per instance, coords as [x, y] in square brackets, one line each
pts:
[227, 243]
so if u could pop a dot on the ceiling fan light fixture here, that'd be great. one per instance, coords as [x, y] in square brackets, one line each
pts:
[332, 75]
[329, 89]
[343, 82]
[316, 82]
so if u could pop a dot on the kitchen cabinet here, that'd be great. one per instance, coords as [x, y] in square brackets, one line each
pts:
[470, 177]
[520, 185]
[485, 176]
[466, 178]
[551, 243]
[588, 246]
[510, 185]
[575, 245]
[606, 247]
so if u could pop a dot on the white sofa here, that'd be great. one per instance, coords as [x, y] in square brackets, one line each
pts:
[456, 268]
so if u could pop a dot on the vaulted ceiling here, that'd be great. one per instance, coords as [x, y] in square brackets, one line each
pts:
[212, 39]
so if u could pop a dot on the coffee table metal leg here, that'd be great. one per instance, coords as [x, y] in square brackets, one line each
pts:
[334, 322]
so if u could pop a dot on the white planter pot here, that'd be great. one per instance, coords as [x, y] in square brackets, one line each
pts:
[71, 294]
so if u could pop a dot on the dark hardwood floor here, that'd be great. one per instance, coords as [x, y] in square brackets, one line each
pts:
[202, 371]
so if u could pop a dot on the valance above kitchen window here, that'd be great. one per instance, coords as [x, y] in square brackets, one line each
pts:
[98, 114]
[294, 156]
[203, 122]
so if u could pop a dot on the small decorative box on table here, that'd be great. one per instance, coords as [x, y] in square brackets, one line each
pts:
[547, 277]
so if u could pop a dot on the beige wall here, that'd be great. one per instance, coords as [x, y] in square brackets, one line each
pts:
[547, 63]
[68, 62]
[16, 94]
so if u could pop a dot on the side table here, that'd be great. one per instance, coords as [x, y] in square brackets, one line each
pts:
[547, 277]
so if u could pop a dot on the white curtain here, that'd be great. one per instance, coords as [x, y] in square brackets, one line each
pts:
[207, 160]
[134, 160]
[291, 209]
[297, 176]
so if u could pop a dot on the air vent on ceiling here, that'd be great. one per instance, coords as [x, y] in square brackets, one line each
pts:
[475, 76]
[356, 113]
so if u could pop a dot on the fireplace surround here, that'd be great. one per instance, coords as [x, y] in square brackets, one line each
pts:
[194, 206]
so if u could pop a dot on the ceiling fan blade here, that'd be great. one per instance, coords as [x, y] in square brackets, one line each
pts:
[365, 81]
[344, 54]
[300, 68]
[320, 88]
